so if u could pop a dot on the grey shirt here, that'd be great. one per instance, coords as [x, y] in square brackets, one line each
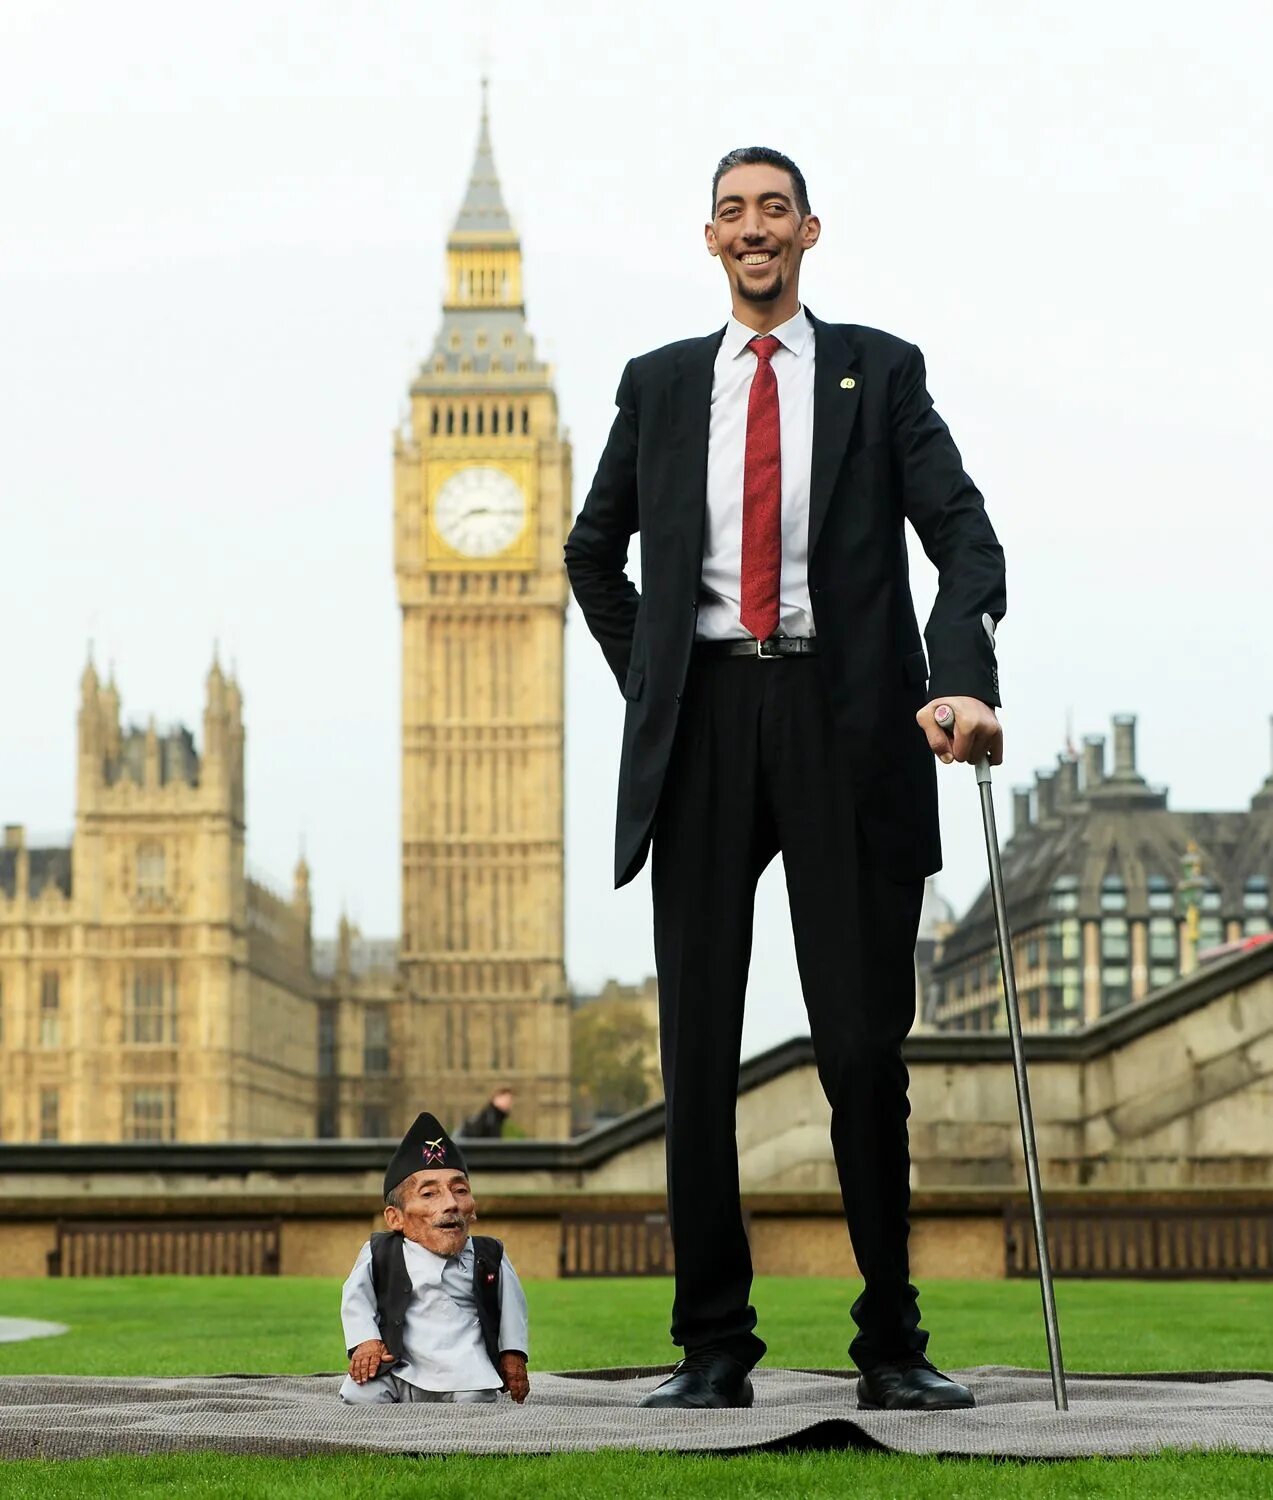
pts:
[442, 1344]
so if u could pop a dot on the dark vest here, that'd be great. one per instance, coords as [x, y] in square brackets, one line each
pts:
[392, 1283]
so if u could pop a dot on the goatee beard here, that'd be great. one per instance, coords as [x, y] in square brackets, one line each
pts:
[769, 293]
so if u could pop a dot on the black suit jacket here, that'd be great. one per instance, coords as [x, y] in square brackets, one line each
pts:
[881, 456]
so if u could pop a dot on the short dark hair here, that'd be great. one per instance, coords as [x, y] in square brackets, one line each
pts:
[762, 156]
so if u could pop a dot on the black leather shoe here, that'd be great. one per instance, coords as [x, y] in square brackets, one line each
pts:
[702, 1380]
[911, 1387]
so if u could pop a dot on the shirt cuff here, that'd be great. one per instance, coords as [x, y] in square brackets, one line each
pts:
[360, 1333]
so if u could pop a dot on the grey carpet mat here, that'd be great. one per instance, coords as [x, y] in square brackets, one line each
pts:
[64, 1416]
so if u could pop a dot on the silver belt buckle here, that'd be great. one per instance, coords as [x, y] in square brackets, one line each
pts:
[763, 654]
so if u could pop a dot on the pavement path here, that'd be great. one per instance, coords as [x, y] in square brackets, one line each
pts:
[13, 1330]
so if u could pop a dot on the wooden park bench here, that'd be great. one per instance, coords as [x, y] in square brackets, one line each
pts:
[618, 1243]
[166, 1247]
[615, 1244]
[1143, 1243]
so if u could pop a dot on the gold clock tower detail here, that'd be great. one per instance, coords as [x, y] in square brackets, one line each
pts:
[481, 510]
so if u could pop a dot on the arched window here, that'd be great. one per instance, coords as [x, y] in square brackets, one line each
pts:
[50, 1010]
[433, 422]
[1255, 905]
[525, 420]
[464, 420]
[1115, 945]
[1065, 953]
[1164, 934]
[150, 870]
[495, 420]
[480, 416]
[1210, 917]
[375, 1040]
[1064, 895]
[151, 1006]
[450, 421]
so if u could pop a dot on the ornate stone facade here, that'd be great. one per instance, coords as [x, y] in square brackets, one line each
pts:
[150, 991]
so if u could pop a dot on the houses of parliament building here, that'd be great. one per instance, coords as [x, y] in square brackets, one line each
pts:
[151, 991]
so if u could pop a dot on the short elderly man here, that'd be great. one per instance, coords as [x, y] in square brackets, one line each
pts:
[429, 1313]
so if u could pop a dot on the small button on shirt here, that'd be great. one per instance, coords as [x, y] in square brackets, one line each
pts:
[793, 365]
[442, 1342]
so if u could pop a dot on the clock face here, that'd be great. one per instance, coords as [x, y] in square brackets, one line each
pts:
[480, 511]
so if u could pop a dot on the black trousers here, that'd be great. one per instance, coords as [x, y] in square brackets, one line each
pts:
[755, 769]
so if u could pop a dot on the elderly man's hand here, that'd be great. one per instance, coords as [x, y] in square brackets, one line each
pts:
[976, 731]
[512, 1369]
[366, 1360]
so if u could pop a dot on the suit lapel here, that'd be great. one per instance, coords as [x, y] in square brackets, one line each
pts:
[837, 389]
[691, 424]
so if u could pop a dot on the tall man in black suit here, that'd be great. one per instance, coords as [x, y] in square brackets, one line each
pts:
[776, 700]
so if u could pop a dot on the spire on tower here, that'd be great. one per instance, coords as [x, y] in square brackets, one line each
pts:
[482, 214]
[215, 684]
[300, 878]
[88, 678]
[483, 328]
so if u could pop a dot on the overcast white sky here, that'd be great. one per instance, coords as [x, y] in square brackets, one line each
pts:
[221, 243]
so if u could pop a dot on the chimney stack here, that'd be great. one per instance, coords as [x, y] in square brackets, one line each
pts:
[1125, 748]
[1045, 795]
[1093, 761]
[1021, 819]
[1067, 781]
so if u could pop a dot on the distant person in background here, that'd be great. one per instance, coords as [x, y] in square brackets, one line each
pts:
[488, 1122]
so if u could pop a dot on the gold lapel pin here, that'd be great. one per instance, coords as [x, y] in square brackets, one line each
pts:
[847, 383]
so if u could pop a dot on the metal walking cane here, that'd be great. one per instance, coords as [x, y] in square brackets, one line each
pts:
[946, 721]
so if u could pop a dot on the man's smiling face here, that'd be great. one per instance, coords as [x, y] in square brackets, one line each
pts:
[759, 232]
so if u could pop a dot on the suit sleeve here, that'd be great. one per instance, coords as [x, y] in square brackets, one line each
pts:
[514, 1317]
[949, 515]
[358, 1303]
[597, 547]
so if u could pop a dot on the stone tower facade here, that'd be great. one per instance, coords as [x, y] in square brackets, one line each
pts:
[149, 990]
[481, 510]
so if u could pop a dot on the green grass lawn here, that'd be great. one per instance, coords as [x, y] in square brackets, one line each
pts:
[179, 1326]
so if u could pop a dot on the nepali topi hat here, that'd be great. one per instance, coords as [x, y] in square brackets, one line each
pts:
[426, 1146]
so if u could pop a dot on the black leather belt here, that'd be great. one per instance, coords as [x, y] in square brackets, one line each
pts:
[776, 645]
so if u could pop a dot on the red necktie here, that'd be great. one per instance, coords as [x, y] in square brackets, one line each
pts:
[762, 497]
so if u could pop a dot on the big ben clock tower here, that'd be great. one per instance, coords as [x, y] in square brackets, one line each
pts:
[481, 510]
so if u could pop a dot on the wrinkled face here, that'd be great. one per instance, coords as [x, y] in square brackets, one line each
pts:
[759, 233]
[437, 1209]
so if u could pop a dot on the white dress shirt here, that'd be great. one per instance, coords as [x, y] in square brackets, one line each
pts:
[720, 600]
[442, 1340]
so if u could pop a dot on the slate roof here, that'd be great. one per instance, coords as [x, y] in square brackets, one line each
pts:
[1090, 843]
[366, 956]
[48, 867]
